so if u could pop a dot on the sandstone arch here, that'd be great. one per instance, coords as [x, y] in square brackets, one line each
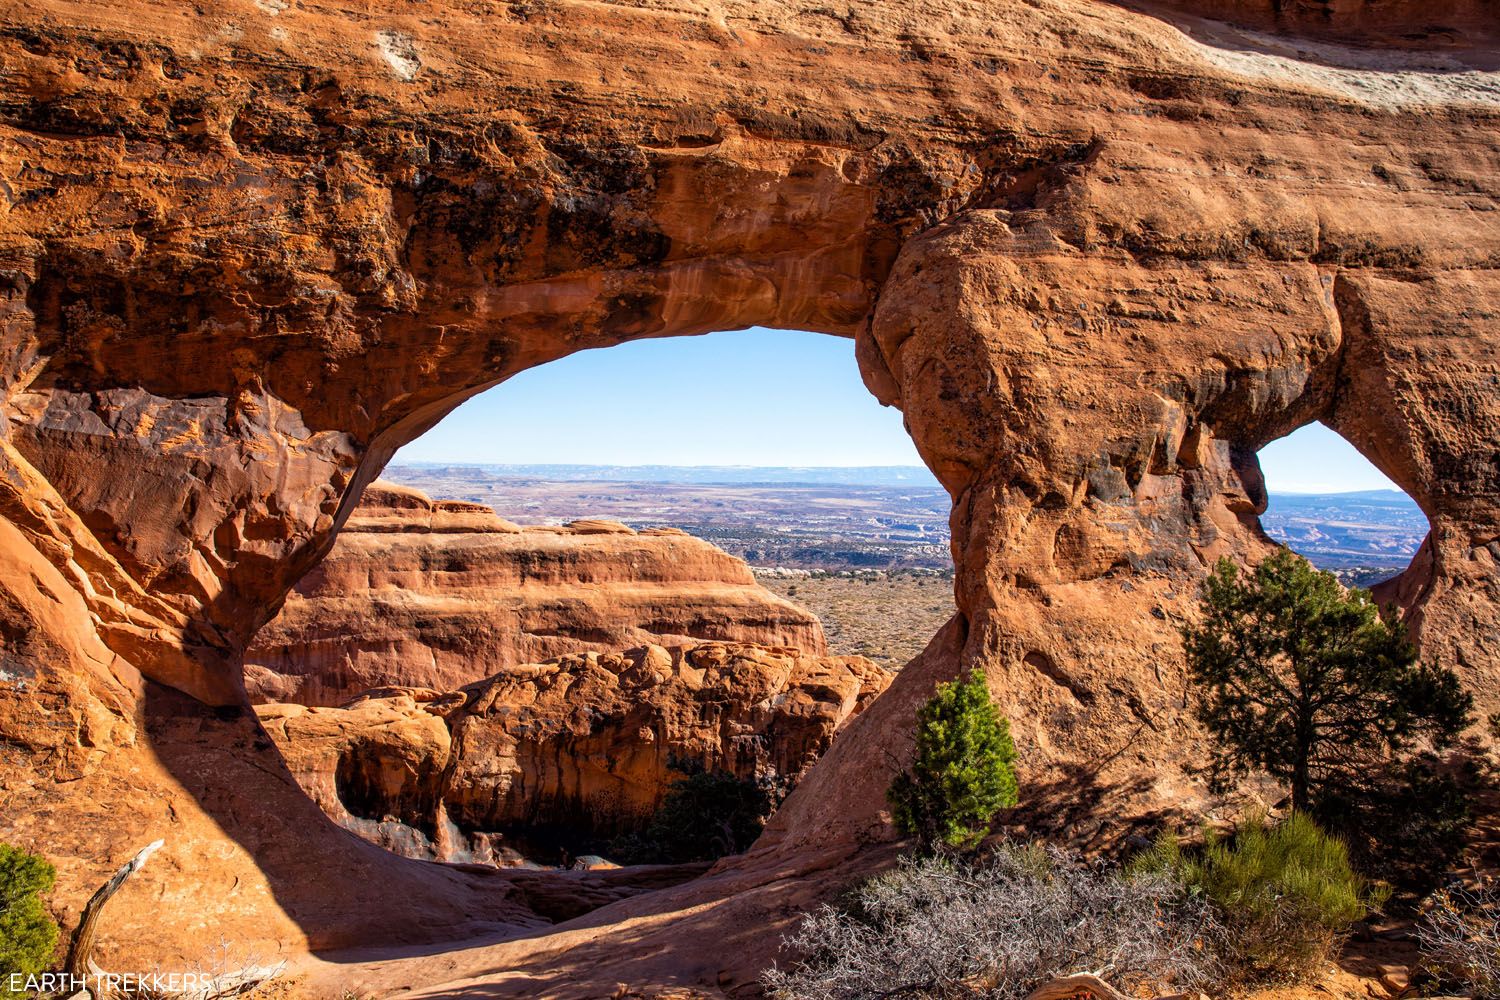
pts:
[249, 252]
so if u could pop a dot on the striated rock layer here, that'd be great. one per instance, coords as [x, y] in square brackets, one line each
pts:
[249, 249]
[589, 742]
[438, 594]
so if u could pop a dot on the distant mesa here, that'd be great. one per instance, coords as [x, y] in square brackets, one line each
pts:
[438, 594]
[854, 475]
[898, 524]
[1365, 536]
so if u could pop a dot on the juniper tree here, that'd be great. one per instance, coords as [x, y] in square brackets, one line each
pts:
[1308, 683]
[964, 771]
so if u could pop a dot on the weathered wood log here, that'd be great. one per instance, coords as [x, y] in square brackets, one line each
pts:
[80, 952]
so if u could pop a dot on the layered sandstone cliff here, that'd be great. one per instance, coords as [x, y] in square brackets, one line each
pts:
[439, 594]
[587, 743]
[1097, 255]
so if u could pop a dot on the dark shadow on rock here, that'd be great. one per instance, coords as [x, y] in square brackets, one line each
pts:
[1424, 43]
[339, 890]
[1088, 807]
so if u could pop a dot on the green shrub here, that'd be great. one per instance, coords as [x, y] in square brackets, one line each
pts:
[28, 934]
[1286, 892]
[704, 816]
[964, 772]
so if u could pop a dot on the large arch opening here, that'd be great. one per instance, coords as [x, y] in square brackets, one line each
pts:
[680, 556]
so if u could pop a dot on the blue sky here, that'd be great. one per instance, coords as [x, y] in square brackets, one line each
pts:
[749, 397]
[1314, 459]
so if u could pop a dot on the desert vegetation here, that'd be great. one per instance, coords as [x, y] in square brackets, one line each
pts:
[886, 616]
[964, 770]
[1285, 893]
[1307, 683]
[1460, 939]
[28, 934]
[998, 926]
[1262, 906]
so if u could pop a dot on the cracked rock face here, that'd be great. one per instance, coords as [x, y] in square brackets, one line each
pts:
[1097, 255]
[587, 743]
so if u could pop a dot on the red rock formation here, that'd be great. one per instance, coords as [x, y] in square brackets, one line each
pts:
[439, 594]
[249, 249]
[588, 742]
[384, 756]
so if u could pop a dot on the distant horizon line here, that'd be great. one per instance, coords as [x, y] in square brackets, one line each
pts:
[921, 470]
[650, 465]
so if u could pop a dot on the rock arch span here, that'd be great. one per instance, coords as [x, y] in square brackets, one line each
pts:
[1097, 262]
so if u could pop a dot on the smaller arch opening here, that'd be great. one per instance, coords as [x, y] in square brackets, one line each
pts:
[1330, 504]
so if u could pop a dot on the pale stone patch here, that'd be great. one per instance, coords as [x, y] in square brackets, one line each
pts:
[226, 34]
[400, 52]
[1386, 78]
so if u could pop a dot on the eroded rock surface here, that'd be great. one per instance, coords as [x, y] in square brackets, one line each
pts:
[587, 743]
[1097, 255]
[439, 594]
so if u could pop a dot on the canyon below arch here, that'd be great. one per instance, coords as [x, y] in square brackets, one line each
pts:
[1098, 255]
